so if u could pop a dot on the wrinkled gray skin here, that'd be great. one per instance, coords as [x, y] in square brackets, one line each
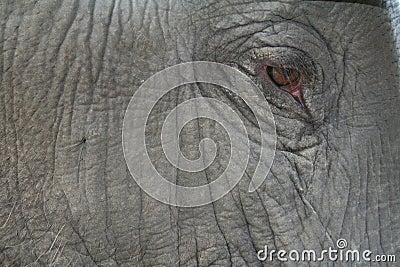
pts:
[69, 70]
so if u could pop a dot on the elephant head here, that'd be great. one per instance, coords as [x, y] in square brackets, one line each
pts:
[328, 72]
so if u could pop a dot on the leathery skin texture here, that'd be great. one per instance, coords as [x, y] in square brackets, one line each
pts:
[68, 70]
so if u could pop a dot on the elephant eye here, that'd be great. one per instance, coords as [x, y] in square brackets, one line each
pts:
[287, 79]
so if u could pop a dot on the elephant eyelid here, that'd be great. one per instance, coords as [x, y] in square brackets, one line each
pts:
[286, 58]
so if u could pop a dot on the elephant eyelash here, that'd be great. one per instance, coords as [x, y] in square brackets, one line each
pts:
[293, 61]
[279, 57]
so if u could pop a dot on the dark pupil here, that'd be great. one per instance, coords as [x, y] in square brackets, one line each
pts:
[288, 72]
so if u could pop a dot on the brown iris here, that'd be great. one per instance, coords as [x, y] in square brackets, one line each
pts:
[283, 76]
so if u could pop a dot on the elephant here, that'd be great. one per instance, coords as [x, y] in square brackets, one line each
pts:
[328, 71]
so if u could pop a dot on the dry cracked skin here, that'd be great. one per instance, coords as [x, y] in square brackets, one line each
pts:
[68, 69]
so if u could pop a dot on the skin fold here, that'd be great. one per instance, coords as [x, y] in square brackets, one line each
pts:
[70, 68]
